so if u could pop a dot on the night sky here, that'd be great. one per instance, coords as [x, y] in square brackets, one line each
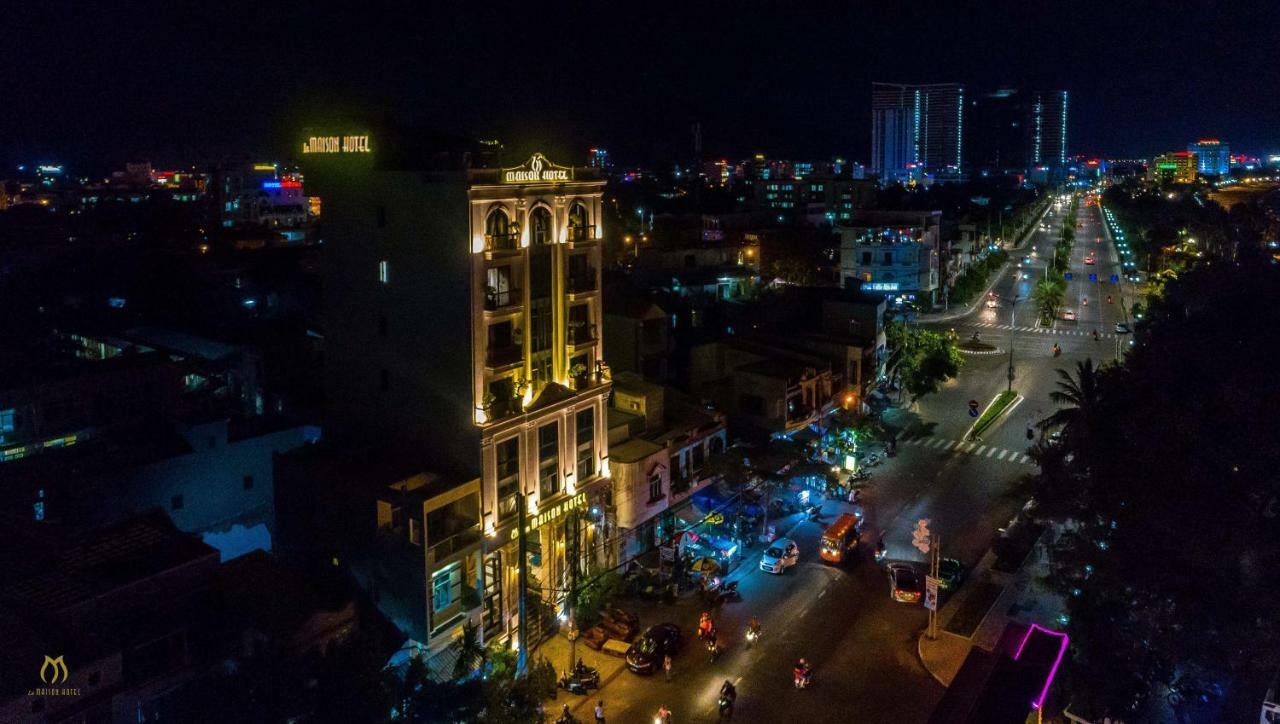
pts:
[103, 82]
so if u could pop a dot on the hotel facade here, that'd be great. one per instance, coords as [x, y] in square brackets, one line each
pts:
[463, 324]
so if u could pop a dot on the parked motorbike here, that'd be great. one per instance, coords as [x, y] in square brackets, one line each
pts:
[717, 592]
[813, 512]
[580, 679]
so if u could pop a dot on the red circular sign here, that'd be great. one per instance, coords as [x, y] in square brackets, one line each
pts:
[973, 404]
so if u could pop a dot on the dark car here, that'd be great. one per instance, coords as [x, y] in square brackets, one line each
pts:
[905, 584]
[950, 574]
[646, 652]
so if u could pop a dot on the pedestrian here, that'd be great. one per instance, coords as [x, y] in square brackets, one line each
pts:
[666, 666]
[600, 712]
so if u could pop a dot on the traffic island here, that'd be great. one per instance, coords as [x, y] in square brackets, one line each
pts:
[1003, 402]
[942, 657]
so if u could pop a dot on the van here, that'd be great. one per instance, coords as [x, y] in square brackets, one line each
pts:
[841, 539]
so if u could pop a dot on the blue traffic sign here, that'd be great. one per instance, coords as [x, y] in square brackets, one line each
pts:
[1066, 276]
[1115, 278]
[973, 412]
[1093, 277]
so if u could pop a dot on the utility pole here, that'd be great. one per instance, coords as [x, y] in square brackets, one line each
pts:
[573, 549]
[522, 620]
[935, 563]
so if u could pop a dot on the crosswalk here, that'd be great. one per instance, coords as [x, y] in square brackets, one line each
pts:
[977, 449]
[1041, 330]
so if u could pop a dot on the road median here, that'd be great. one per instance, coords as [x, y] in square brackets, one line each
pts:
[1000, 405]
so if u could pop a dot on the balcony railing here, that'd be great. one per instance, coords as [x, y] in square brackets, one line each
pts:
[582, 233]
[454, 543]
[582, 281]
[581, 333]
[495, 300]
[503, 356]
[501, 242]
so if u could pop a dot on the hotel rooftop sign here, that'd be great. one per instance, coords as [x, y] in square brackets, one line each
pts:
[537, 169]
[336, 144]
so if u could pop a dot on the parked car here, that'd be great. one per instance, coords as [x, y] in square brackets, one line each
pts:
[780, 556]
[905, 584]
[950, 574]
[646, 653]
[1122, 328]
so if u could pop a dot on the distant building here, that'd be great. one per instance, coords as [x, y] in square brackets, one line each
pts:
[1048, 129]
[1179, 167]
[599, 158]
[893, 253]
[1213, 157]
[917, 126]
[997, 133]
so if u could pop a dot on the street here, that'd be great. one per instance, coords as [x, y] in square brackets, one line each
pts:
[861, 643]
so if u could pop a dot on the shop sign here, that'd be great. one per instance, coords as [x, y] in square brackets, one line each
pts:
[551, 514]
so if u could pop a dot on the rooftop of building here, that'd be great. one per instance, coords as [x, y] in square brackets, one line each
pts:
[634, 450]
[783, 368]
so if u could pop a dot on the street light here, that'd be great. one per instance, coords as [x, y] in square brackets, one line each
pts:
[1013, 331]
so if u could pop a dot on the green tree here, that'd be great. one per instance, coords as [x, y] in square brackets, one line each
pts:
[923, 359]
[1048, 295]
[469, 652]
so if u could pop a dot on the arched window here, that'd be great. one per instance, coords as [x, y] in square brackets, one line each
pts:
[497, 230]
[540, 226]
[579, 229]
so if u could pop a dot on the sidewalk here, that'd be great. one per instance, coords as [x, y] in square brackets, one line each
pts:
[1022, 599]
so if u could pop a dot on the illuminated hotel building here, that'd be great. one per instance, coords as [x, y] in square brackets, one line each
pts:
[463, 313]
[1178, 167]
[1212, 156]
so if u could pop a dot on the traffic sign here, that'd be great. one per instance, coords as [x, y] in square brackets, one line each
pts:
[1093, 277]
[973, 412]
[931, 593]
[1115, 278]
[1066, 276]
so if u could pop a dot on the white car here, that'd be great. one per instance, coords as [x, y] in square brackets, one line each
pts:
[1069, 315]
[992, 303]
[779, 556]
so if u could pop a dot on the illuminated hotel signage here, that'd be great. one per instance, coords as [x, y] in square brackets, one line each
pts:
[336, 144]
[546, 516]
[536, 169]
[881, 286]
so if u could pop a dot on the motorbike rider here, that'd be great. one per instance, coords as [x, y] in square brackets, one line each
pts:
[1108, 299]
[802, 673]
[1095, 335]
[664, 715]
[566, 717]
[754, 627]
[728, 695]
[705, 627]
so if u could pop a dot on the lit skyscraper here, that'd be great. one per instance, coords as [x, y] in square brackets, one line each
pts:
[1048, 128]
[916, 127]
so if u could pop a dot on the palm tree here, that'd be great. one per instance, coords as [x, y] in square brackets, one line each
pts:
[470, 653]
[1048, 295]
[1079, 397]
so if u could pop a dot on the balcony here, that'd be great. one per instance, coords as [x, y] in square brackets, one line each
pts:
[582, 233]
[581, 333]
[457, 543]
[507, 300]
[506, 356]
[501, 244]
[581, 282]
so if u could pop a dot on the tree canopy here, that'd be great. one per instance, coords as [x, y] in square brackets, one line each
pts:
[1165, 481]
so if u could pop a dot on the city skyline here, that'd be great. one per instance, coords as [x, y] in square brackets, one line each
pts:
[639, 97]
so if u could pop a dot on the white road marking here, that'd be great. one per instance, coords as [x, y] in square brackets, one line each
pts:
[980, 449]
[1024, 459]
[1002, 454]
[950, 445]
[992, 451]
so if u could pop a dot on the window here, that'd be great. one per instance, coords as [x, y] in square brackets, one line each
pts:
[175, 502]
[248, 482]
[497, 224]
[384, 271]
[508, 477]
[888, 258]
[655, 487]
[866, 258]
[586, 439]
[498, 292]
[384, 380]
[540, 226]
[493, 591]
[699, 457]
[446, 587]
[549, 459]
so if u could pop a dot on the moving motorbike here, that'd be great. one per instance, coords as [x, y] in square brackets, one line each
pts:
[803, 675]
[753, 632]
[713, 649]
[663, 716]
[1057, 351]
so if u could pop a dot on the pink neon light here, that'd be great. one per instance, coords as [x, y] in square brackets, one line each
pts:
[1039, 700]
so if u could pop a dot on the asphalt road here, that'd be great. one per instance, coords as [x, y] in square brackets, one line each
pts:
[861, 643]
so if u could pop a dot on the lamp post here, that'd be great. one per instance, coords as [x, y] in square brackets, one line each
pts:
[1013, 331]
